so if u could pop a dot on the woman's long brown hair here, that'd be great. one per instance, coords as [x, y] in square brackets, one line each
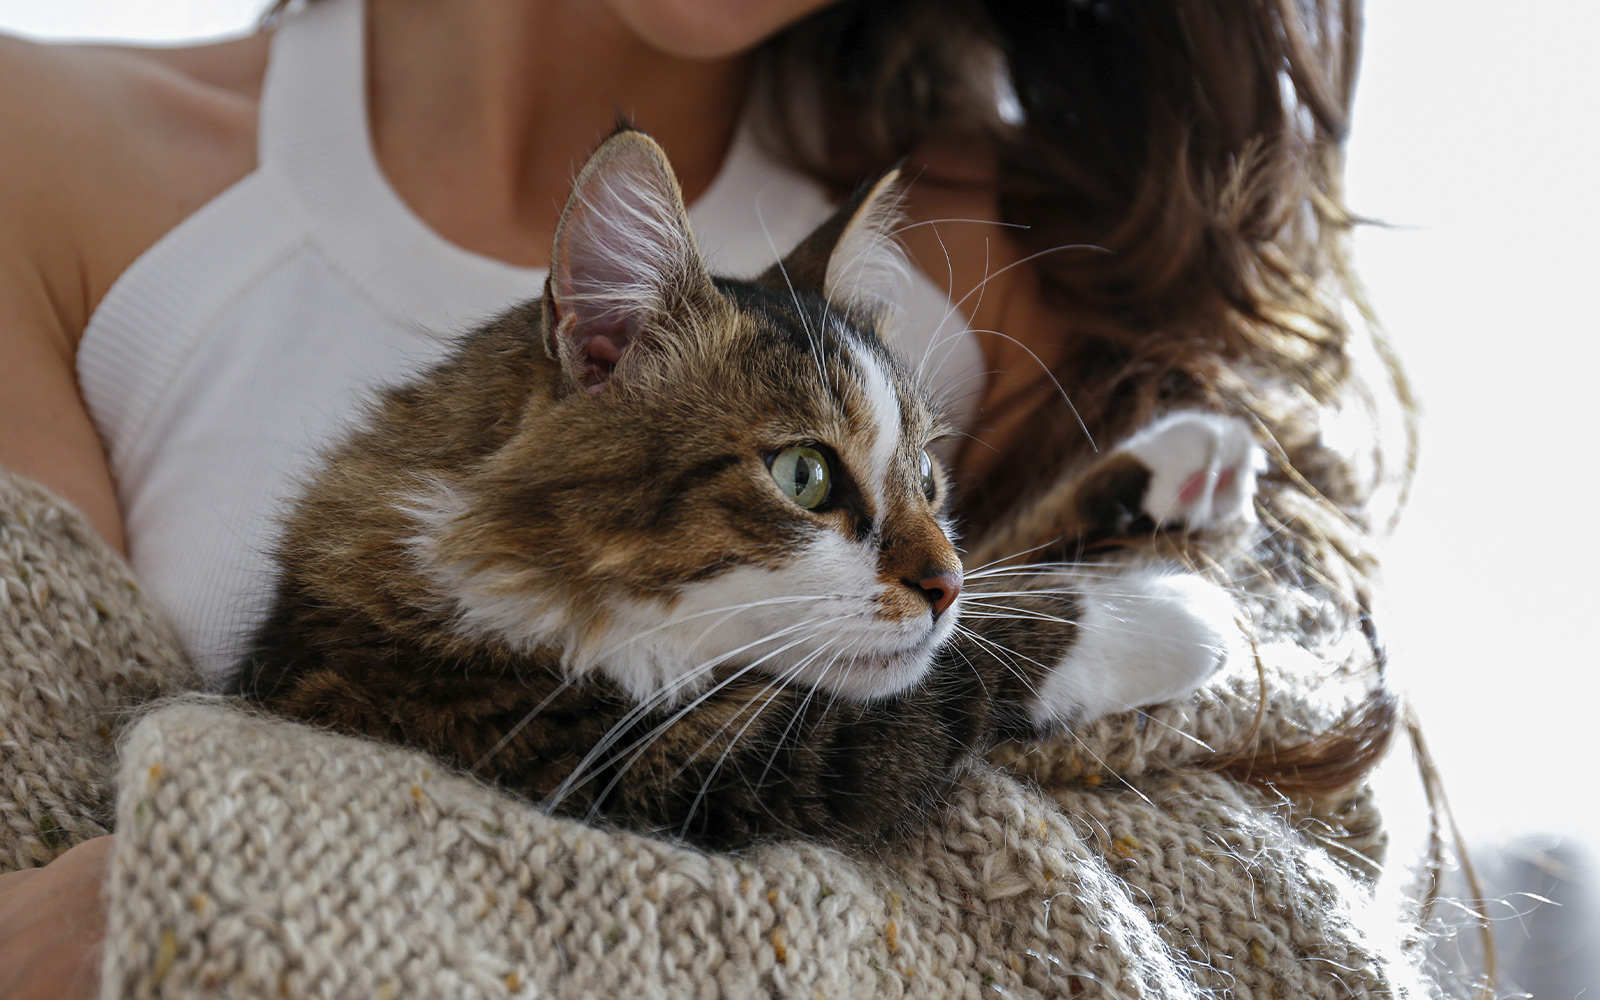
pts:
[1196, 147]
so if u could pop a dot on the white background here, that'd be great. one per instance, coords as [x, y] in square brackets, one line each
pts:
[1475, 140]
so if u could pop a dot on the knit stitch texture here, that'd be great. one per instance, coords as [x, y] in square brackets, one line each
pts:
[257, 857]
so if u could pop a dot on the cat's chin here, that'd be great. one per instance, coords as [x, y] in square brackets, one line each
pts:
[871, 678]
[868, 677]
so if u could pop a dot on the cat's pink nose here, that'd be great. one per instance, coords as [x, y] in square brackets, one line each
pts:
[941, 590]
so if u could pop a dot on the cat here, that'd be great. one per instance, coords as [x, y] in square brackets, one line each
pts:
[673, 551]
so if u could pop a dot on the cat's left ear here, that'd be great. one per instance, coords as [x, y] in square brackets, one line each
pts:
[624, 258]
[853, 260]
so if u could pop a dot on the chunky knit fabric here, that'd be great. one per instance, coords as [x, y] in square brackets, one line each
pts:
[260, 858]
[79, 650]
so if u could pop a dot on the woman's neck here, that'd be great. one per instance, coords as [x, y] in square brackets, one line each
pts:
[482, 110]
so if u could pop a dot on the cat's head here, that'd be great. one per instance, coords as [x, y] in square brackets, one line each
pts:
[713, 473]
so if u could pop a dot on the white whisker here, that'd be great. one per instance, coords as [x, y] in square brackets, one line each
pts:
[639, 746]
[812, 336]
[520, 725]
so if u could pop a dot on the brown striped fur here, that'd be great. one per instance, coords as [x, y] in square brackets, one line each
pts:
[566, 494]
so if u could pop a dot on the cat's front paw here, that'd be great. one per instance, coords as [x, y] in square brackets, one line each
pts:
[1203, 469]
[1144, 637]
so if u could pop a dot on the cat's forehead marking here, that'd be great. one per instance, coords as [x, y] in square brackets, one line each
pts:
[882, 412]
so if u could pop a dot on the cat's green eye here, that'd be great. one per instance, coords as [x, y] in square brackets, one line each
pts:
[926, 471]
[802, 474]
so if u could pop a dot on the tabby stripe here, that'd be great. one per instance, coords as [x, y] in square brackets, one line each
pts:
[684, 483]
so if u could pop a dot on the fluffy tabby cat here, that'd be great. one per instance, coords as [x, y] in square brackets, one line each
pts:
[671, 549]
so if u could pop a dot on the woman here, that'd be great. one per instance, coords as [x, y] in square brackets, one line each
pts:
[1182, 242]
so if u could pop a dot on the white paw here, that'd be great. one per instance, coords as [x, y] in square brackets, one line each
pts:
[1146, 636]
[1202, 469]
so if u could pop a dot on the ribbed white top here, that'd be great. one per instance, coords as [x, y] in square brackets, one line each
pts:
[245, 339]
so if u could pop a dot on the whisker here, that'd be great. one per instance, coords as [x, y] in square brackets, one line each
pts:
[1007, 657]
[659, 698]
[1003, 561]
[811, 335]
[775, 686]
[1093, 446]
[521, 724]
[799, 713]
[984, 222]
[638, 747]
[951, 308]
[729, 610]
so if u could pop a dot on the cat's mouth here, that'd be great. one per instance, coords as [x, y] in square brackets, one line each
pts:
[879, 673]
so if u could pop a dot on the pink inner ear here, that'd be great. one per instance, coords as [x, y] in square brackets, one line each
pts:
[622, 247]
[601, 322]
[599, 344]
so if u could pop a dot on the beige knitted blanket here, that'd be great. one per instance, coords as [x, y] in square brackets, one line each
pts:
[260, 858]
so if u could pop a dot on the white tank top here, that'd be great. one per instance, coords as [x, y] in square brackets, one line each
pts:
[245, 340]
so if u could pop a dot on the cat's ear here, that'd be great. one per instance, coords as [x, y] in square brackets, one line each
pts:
[624, 256]
[853, 260]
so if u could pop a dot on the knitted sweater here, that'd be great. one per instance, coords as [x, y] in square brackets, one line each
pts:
[256, 857]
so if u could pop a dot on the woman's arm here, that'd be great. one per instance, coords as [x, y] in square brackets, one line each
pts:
[52, 919]
[102, 150]
[52, 922]
[44, 431]
[61, 178]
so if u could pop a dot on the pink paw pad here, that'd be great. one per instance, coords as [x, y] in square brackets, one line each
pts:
[1195, 485]
[1203, 469]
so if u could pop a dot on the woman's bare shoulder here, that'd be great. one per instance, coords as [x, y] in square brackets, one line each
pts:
[103, 149]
